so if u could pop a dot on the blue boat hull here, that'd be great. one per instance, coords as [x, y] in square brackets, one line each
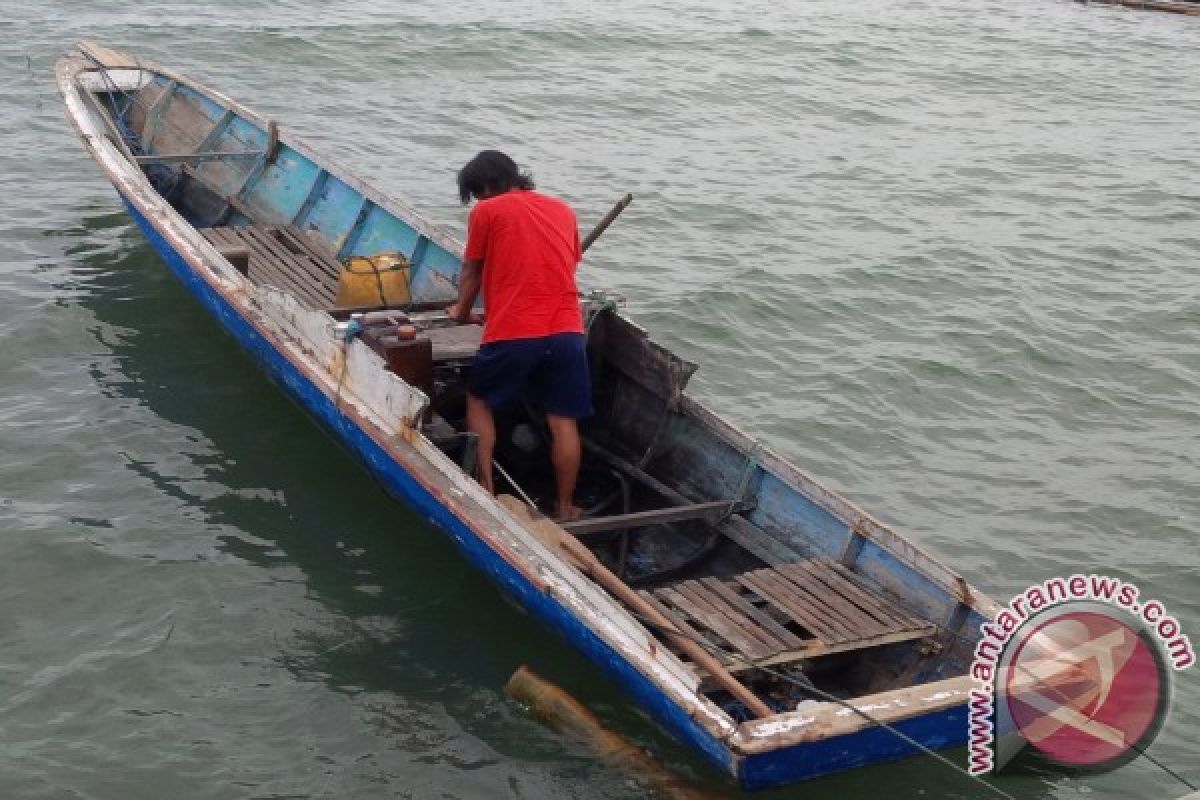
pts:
[791, 514]
[774, 769]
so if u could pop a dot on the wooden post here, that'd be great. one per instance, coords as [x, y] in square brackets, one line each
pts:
[563, 713]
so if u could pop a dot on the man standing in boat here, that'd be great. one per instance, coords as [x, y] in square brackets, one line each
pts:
[522, 251]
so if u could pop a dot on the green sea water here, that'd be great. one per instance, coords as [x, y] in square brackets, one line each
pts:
[944, 256]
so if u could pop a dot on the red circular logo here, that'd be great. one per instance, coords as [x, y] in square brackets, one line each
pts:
[1087, 689]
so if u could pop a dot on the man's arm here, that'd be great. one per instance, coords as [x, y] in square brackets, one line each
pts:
[470, 279]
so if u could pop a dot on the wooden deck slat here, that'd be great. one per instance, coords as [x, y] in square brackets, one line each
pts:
[869, 602]
[764, 620]
[900, 615]
[688, 597]
[268, 274]
[748, 624]
[761, 584]
[854, 618]
[305, 274]
[682, 624]
[328, 263]
[838, 614]
[816, 605]
[703, 618]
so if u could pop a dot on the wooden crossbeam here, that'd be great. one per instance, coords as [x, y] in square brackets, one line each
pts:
[211, 155]
[637, 519]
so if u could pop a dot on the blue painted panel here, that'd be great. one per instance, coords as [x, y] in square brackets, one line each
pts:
[383, 232]
[791, 517]
[441, 260]
[869, 746]
[920, 594]
[333, 212]
[284, 186]
[405, 487]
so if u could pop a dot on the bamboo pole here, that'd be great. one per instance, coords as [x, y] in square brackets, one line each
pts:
[603, 224]
[587, 563]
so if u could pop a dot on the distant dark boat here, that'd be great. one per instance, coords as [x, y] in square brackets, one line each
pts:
[712, 579]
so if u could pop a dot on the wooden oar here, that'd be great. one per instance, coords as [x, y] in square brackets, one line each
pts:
[603, 224]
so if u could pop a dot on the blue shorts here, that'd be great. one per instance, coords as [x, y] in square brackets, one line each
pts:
[553, 367]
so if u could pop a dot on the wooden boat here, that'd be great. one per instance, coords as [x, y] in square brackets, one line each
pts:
[712, 579]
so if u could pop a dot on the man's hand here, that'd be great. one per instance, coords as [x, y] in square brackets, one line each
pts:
[470, 277]
[464, 314]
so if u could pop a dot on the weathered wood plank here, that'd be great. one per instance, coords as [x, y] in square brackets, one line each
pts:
[704, 617]
[768, 623]
[779, 596]
[637, 519]
[869, 603]
[105, 56]
[834, 605]
[631, 350]
[200, 156]
[737, 529]
[902, 615]
[690, 598]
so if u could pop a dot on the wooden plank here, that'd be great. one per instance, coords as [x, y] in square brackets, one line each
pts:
[105, 56]
[200, 156]
[301, 265]
[818, 649]
[756, 541]
[869, 602]
[815, 603]
[764, 620]
[637, 519]
[713, 621]
[691, 597]
[316, 250]
[759, 582]
[678, 621]
[303, 271]
[902, 616]
[833, 604]
[746, 622]
[267, 273]
[630, 349]
[837, 603]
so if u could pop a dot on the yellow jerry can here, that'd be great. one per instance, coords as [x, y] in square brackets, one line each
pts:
[378, 280]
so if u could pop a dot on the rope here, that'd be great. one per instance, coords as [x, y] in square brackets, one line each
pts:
[514, 485]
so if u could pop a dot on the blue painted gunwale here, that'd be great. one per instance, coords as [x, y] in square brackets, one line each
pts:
[416, 487]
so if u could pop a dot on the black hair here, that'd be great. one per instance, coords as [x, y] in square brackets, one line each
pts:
[490, 172]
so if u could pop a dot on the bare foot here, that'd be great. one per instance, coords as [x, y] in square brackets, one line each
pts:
[568, 513]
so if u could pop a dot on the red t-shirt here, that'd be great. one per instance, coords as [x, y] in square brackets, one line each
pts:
[529, 245]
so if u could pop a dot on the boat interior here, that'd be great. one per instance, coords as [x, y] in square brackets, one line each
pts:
[678, 504]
